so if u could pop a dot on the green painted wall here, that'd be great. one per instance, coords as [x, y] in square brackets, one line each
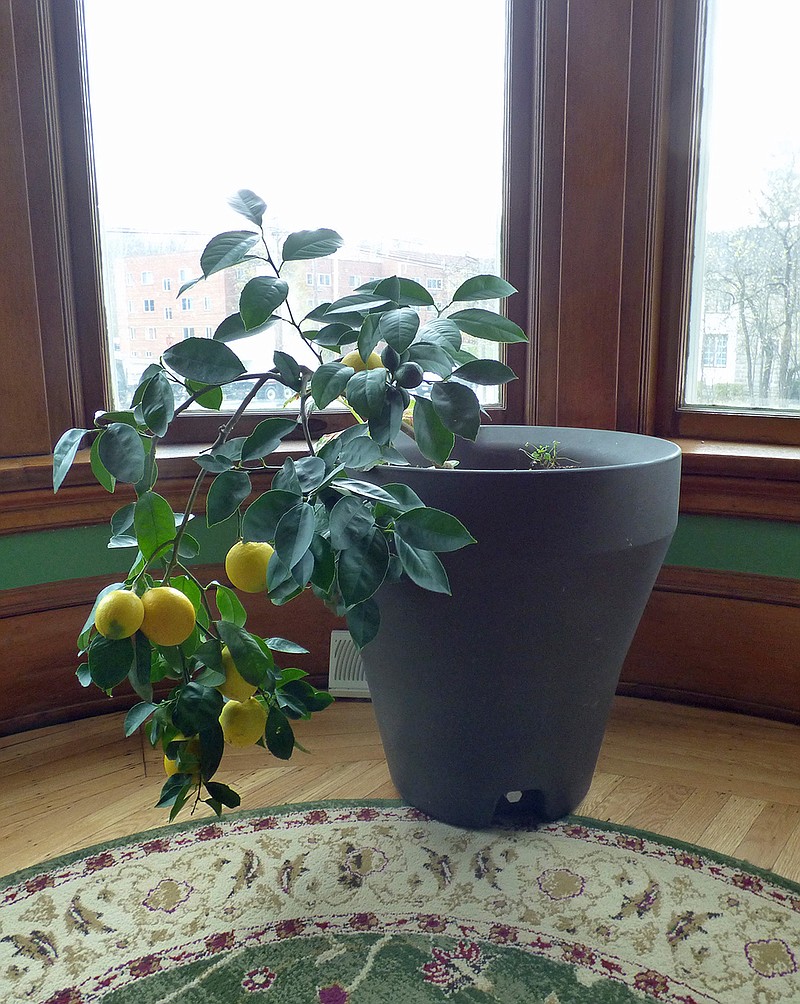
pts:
[738, 545]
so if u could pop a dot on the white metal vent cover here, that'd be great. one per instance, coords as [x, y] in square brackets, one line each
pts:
[346, 672]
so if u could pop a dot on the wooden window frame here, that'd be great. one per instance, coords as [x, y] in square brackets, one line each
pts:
[596, 239]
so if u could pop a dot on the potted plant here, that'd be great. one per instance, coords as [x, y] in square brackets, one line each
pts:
[361, 519]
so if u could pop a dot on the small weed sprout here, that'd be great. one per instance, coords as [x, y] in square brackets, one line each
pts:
[545, 457]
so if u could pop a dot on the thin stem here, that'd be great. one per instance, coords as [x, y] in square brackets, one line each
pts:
[304, 414]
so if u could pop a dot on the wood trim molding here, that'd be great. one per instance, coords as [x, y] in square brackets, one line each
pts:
[719, 639]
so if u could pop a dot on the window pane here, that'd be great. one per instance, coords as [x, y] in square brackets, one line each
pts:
[382, 122]
[744, 345]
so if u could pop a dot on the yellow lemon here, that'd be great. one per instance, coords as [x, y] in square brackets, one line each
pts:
[243, 722]
[171, 766]
[168, 615]
[354, 359]
[119, 614]
[246, 565]
[235, 687]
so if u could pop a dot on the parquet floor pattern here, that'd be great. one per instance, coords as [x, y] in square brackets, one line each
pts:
[725, 781]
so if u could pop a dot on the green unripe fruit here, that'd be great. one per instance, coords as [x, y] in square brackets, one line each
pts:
[405, 397]
[390, 358]
[409, 375]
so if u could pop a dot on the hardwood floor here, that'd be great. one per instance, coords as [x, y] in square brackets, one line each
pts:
[728, 782]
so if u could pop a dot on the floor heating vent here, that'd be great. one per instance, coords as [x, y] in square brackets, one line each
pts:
[346, 672]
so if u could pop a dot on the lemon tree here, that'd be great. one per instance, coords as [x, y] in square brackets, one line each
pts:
[385, 351]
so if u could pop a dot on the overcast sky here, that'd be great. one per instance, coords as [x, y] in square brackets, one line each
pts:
[371, 118]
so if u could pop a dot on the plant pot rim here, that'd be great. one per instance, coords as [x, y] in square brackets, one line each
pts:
[602, 450]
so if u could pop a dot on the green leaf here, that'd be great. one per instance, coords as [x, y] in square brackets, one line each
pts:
[230, 606]
[398, 328]
[289, 370]
[432, 358]
[211, 398]
[104, 478]
[122, 519]
[368, 337]
[406, 292]
[259, 299]
[196, 708]
[311, 472]
[263, 515]
[363, 621]
[360, 454]
[362, 567]
[293, 534]
[485, 373]
[488, 325]
[284, 645]
[254, 664]
[109, 661]
[432, 530]
[363, 488]
[279, 736]
[138, 714]
[422, 567]
[333, 336]
[212, 747]
[442, 332]
[139, 675]
[405, 498]
[385, 426]
[366, 392]
[281, 583]
[232, 328]
[83, 674]
[360, 303]
[223, 457]
[483, 287]
[286, 478]
[306, 244]
[324, 570]
[158, 404]
[227, 492]
[204, 359]
[174, 793]
[266, 437]
[458, 408]
[223, 794]
[249, 205]
[154, 522]
[329, 382]
[226, 249]
[433, 440]
[121, 452]
[64, 453]
[350, 521]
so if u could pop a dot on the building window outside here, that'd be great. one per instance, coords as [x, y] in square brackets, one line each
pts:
[353, 281]
[324, 279]
[309, 278]
[147, 278]
[434, 283]
[166, 285]
[149, 306]
[167, 313]
[206, 303]
[188, 332]
[151, 334]
[209, 332]
[715, 351]
[185, 275]
[186, 303]
[131, 332]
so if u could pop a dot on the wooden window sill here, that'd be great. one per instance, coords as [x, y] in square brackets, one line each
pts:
[749, 480]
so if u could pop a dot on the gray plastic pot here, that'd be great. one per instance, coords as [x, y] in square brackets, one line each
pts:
[505, 687]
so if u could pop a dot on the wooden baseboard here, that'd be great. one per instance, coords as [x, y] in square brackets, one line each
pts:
[38, 656]
[717, 639]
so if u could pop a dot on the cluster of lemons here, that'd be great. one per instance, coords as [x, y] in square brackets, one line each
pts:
[167, 617]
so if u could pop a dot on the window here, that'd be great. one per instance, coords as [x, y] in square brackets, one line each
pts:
[733, 277]
[150, 334]
[131, 332]
[324, 279]
[149, 306]
[209, 332]
[206, 303]
[147, 278]
[353, 281]
[167, 313]
[185, 275]
[166, 285]
[186, 303]
[434, 283]
[309, 278]
[188, 332]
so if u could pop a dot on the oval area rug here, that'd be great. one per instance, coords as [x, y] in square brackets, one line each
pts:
[371, 902]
